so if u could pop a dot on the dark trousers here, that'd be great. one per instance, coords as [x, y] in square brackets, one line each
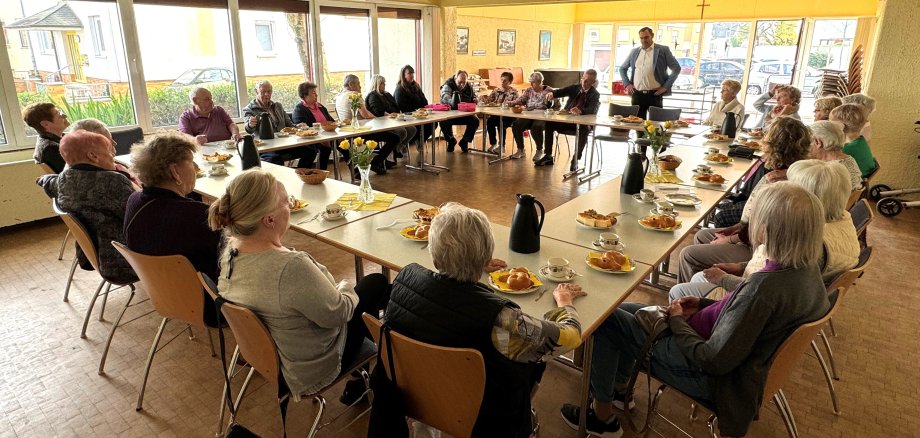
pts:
[304, 154]
[645, 100]
[566, 129]
[387, 141]
[373, 294]
[536, 128]
[492, 126]
[471, 123]
[428, 130]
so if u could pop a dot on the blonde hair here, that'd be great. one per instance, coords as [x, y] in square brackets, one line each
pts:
[789, 140]
[794, 93]
[830, 133]
[733, 85]
[827, 103]
[852, 116]
[376, 81]
[787, 220]
[249, 198]
[460, 242]
[861, 99]
[828, 180]
[151, 161]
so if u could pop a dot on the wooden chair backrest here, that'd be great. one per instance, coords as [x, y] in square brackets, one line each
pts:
[854, 196]
[79, 234]
[789, 353]
[845, 279]
[862, 215]
[443, 387]
[171, 282]
[255, 341]
[47, 169]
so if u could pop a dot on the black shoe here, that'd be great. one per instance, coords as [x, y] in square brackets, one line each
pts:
[573, 166]
[397, 154]
[464, 146]
[546, 160]
[451, 142]
[379, 169]
[593, 425]
[354, 392]
[390, 164]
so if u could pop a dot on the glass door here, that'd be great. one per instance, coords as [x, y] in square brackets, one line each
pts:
[774, 56]
[345, 41]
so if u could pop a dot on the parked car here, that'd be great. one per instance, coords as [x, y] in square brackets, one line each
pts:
[198, 76]
[683, 82]
[687, 65]
[763, 73]
[712, 73]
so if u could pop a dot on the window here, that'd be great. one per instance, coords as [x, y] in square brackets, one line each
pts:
[95, 30]
[3, 139]
[346, 42]
[23, 39]
[196, 52]
[265, 37]
[399, 41]
[594, 36]
[45, 42]
[596, 54]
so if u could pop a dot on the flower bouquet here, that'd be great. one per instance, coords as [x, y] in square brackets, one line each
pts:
[354, 102]
[659, 136]
[362, 152]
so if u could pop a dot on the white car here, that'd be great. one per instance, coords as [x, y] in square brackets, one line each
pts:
[779, 72]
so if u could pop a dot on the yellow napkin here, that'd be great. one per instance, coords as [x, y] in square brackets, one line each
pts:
[353, 129]
[666, 176]
[381, 202]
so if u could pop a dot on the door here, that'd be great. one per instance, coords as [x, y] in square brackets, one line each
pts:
[74, 57]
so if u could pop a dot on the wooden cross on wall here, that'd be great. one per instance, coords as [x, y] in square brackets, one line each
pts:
[702, 7]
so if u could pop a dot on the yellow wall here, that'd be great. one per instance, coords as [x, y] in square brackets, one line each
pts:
[893, 84]
[671, 10]
[528, 21]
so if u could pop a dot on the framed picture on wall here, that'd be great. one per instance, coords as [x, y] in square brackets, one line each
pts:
[507, 39]
[546, 44]
[463, 40]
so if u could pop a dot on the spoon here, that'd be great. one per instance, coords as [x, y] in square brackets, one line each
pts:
[393, 224]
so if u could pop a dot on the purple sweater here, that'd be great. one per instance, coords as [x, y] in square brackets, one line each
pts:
[704, 321]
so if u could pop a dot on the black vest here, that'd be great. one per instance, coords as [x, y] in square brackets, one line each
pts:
[433, 308]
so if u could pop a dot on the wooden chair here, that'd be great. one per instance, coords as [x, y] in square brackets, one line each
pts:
[867, 180]
[173, 286]
[258, 349]
[855, 195]
[442, 387]
[786, 358]
[49, 171]
[862, 215]
[73, 264]
[89, 250]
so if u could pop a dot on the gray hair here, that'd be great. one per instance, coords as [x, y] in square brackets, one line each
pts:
[861, 99]
[830, 133]
[828, 180]
[787, 220]
[261, 84]
[193, 93]
[349, 78]
[460, 242]
[91, 125]
[536, 76]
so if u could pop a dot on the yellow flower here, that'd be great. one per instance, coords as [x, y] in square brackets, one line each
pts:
[648, 123]
[668, 125]
[372, 144]
[650, 129]
[359, 141]
[344, 144]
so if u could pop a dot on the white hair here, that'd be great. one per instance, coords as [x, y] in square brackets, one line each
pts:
[830, 133]
[536, 76]
[91, 125]
[861, 99]
[262, 83]
[828, 180]
[193, 93]
[460, 242]
[787, 220]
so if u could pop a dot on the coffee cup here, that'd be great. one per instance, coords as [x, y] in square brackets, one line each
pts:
[333, 210]
[617, 118]
[504, 106]
[702, 168]
[646, 194]
[665, 207]
[548, 112]
[609, 240]
[218, 169]
[557, 267]
[713, 151]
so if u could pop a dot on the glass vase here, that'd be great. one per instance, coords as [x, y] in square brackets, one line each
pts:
[355, 122]
[653, 168]
[365, 191]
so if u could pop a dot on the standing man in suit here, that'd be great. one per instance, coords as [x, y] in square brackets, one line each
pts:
[645, 72]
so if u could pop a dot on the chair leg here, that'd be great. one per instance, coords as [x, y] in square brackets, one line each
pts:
[73, 268]
[711, 423]
[830, 324]
[830, 354]
[239, 398]
[782, 413]
[827, 377]
[105, 299]
[211, 343]
[782, 397]
[108, 341]
[89, 310]
[153, 351]
[191, 334]
[319, 415]
[63, 245]
[223, 397]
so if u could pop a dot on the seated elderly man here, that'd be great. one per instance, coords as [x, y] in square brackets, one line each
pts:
[452, 308]
[728, 104]
[205, 121]
[50, 122]
[96, 194]
[719, 352]
[94, 125]
[583, 100]
[280, 119]
[458, 84]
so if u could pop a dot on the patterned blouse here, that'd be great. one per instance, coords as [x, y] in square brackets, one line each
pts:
[534, 99]
[524, 338]
[499, 95]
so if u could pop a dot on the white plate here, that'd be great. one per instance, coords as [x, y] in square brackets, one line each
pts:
[721, 163]
[683, 199]
[593, 228]
[637, 198]
[282, 134]
[677, 227]
[655, 211]
[513, 292]
[336, 218]
[544, 272]
[620, 247]
[707, 183]
[632, 266]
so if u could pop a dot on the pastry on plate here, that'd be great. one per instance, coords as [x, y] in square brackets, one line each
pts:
[659, 221]
[611, 260]
[716, 136]
[517, 279]
[714, 178]
[592, 218]
[425, 215]
[633, 119]
[718, 158]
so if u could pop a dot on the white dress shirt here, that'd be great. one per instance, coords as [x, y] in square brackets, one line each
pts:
[717, 116]
[644, 76]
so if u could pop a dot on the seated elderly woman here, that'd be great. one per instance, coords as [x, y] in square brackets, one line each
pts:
[787, 104]
[824, 105]
[729, 103]
[720, 351]
[452, 308]
[93, 125]
[854, 117]
[828, 180]
[533, 97]
[161, 220]
[50, 122]
[308, 112]
[315, 322]
[96, 194]
[782, 145]
[866, 102]
[827, 144]
[504, 93]
[381, 103]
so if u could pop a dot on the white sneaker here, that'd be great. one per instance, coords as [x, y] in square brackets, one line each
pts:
[537, 156]
[495, 149]
[518, 154]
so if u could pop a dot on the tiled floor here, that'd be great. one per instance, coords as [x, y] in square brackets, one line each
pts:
[49, 385]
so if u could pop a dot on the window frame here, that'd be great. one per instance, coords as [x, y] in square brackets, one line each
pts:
[45, 42]
[24, 39]
[97, 36]
[270, 24]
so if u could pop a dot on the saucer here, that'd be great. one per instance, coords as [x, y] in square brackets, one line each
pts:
[655, 211]
[218, 173]
[544, 272]
[636, 197]
[620, 246]
[334, 218]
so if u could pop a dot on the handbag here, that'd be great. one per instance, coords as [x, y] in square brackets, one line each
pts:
[388, 408]
[654, 321]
